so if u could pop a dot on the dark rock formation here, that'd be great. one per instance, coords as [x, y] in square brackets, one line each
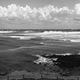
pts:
[67, 61]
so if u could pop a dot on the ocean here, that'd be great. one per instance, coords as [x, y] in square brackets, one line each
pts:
[72, 36]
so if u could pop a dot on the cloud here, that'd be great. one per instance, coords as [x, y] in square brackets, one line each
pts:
[65, 9]
[42, 13]
[77, 8]
[12, 10]
[3, 11]
[49, 11]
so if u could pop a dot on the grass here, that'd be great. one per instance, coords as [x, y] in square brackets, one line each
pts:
[18, 54]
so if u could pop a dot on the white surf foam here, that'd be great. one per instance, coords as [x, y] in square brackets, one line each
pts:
[7, 31]
[77, 40]
[60, 35]
[23, 37]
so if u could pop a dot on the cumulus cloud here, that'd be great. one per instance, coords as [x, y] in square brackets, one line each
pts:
[65, 10]
[42, 13]
[77, 8]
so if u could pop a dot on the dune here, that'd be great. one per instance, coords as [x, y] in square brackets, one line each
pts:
[17, 54]
[17, 60]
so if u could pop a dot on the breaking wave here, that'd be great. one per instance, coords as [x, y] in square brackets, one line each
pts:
[59, 35]
[6, 31]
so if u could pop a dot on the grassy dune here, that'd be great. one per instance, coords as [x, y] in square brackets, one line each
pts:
[18, 54]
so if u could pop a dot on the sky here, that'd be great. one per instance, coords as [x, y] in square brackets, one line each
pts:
[41, 13]
[42, 7]
[39, 3]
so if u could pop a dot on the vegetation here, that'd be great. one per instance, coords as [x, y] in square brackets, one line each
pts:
[18, 55]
